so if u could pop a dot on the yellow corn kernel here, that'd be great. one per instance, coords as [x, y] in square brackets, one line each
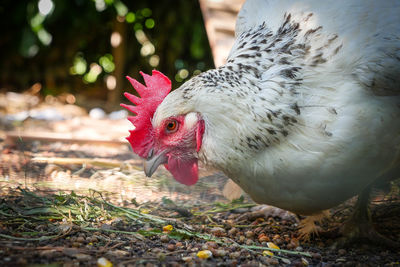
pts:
[204, 254]
[103, 262]
[167, 228]
[272, 245]
[145, 211]
[267, 253]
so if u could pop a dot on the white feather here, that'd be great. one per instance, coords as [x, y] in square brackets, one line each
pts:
[348, 131]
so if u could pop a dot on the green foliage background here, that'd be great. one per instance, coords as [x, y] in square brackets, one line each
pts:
[48, 49]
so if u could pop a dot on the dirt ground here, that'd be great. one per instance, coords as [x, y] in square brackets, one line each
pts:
[73, 194]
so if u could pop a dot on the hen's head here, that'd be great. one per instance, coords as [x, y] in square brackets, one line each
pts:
[173, 141]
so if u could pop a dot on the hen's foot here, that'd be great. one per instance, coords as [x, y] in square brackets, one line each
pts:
[309, 227]
[364, 233]
[359, 227]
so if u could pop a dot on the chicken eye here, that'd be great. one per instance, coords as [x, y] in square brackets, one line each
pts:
[171, 126]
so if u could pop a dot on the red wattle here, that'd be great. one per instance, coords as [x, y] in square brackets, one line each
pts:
[184, 171]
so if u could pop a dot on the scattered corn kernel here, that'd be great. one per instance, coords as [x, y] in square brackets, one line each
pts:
[204, 254]
[304, 262]
[272, 245]
[167, 228]
[145, 211]
[267, 253]
[103, 262]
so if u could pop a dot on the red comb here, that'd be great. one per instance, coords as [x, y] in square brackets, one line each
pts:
[157, 88]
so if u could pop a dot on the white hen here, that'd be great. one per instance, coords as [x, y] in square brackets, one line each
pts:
[304, 114]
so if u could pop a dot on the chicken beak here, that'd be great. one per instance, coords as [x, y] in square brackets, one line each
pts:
[153, 161]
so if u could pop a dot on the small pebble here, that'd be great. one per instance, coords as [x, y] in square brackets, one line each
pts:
[249, 242]
[76, 244]
[164, 239]
[270, 261]
[22, 261]
[232, 263]
[297, 263]
[290, 246]
[211, 244]
[187, 259]
[235, 255]
[40, 228]
[105, 226]
[299, 248]
[316, 256]
[242, 239]
[295, 242]
[80, 239]
[276, 237]
[70, 251]
[218, 231]
[342, 252]
[93, 239]
[113, 235]
[341, 260]
[117, 253]
[233, 231]
[258, 230]
[220, 253]
[234, 246]
[263, 238]
[384, 253]
[249, 234]
[171, 247]
[240, 210]
[83, 257]
[161, 256]
[156, 250]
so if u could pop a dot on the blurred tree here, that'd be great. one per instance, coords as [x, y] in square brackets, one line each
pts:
[86, 47]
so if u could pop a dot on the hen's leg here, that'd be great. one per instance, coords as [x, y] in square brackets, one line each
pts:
[231, 190]
[360, 227]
